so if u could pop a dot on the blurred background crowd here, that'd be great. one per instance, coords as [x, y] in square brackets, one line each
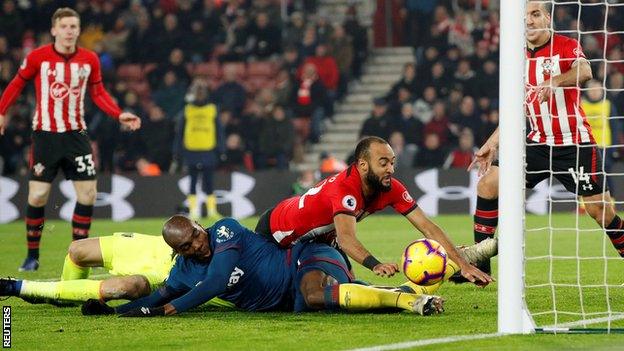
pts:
[276, 69]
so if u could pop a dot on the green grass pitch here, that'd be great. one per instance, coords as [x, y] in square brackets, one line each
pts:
[469, 310]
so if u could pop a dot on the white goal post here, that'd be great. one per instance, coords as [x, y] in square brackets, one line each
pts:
[513, 317]
[574, 280]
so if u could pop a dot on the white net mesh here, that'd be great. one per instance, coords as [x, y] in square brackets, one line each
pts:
[574, 275]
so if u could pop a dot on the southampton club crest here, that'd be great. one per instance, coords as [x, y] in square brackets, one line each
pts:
[38, 169]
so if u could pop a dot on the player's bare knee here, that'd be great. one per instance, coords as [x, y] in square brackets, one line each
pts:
[487, 187]
[38, 197]
[87, 196]
[77, 252]
[137, 286]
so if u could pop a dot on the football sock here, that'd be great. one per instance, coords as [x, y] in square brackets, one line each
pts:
[356, 297]
[72, 271]
[615, 231]
[81, 221]
[193, 209]
[34, 226]
[70, 290]
[418, 289]
[451, 268]
[211, 205]
[485, 218]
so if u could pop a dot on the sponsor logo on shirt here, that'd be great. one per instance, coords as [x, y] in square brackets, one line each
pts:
[349, 202]
[59, 90]
[38, 169]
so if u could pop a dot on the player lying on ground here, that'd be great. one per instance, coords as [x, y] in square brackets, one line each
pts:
[237, 265]
[560, 143]
[139, 262]
[334, 206]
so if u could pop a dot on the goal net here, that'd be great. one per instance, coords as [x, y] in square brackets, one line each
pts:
[572, 272]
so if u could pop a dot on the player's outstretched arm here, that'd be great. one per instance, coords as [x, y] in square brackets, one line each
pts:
[130, 120]
[486, 154]
[431, 230]
[10, 94]
[345, 233]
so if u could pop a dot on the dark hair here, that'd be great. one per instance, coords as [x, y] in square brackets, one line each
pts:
[363, 147]
[63, 12]
[546, 5]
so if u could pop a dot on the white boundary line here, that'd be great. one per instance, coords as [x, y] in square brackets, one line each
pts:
[417, 343]
[615, 317]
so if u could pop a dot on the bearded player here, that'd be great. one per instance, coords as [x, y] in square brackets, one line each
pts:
[560, 133]
[62, 73]
[336, 204]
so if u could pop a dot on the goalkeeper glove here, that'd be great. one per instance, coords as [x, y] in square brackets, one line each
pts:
[93, 307]
[145, 312]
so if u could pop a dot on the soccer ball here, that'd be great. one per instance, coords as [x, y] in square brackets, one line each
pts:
[424, 262]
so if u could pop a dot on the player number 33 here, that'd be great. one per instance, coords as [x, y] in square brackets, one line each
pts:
[85, 163]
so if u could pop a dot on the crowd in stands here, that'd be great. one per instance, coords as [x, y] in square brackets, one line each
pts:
[274, 79]
[446, 103]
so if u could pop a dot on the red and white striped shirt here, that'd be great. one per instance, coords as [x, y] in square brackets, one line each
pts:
[559, 120]
[60, 84]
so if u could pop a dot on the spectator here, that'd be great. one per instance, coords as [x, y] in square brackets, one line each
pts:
[293, 35]
[12, 25]
[307, 47]
[409, 126]
[467, 117]
[465, 76]
[142, 41]
[291, 61]
[404, 154]
[276, 140]
[283, 88]
[265, 37]
[487, 80]
[174, 64]
[91, 35]
[170, 95]
[359, 35]
[200, 48]
[394, 106]
[419, 14]
[439, 80]
[423, 107]
[230, 95]
[234, 153]
[237, 43]
[377, 124]
[309, 98]
[439, 124]
[157, 135]
[304, 182]
[169, 39]
[407, 81]
[462, 156]
[115, 40]
[431, 155]
[330, 164]
[341, 48]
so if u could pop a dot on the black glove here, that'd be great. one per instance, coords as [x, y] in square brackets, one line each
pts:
[93, 307]
[145, 312]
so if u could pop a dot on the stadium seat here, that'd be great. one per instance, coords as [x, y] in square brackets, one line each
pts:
[207, 70]
[141, 88]
[241, 69]
[131, 72]
[261, 69]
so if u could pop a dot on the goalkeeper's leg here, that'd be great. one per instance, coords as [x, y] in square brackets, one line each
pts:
[129, 288]
[81, 255]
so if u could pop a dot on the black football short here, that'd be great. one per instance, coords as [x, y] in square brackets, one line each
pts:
[69, 151]
[578, 168]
